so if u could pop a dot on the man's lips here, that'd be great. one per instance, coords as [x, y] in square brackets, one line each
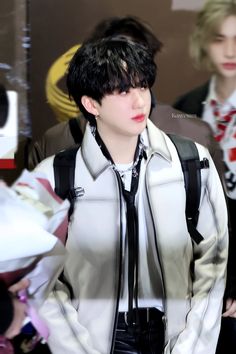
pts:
[139, 118]
[229, 66]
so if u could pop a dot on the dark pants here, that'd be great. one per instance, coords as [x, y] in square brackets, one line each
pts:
[227, 337]
[148, 338]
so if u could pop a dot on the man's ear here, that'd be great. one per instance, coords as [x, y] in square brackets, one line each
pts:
[90, 105]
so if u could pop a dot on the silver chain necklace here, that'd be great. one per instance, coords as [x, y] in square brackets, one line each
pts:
[133, 166]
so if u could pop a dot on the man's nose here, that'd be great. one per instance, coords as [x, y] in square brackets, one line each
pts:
[138, 98]
[230, 48]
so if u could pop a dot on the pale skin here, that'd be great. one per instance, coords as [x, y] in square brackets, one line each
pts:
[121, 118]
[222, 54]
[19, 309]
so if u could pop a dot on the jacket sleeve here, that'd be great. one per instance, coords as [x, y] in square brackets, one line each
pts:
[209, 269]
[67, 335]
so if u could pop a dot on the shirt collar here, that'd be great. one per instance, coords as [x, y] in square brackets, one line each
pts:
[231, 101]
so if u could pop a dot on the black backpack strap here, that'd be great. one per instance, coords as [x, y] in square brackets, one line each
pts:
[64, 175]
[191, 166]
[75, 130]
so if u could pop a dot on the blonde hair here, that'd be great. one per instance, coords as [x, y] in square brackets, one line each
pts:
[207, 24]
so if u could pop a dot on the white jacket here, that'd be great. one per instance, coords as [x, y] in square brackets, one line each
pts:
[193, 303]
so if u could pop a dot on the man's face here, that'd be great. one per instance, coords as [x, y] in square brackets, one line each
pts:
[222, 49]
[124, 114]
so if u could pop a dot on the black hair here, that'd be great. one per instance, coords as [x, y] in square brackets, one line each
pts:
[128, 26]
[109, 65]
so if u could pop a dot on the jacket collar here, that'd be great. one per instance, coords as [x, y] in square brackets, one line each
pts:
[157, 142]
[93, 157]
[97, 163]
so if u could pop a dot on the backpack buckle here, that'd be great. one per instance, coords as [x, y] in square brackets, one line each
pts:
[204, 163]
[76, 193]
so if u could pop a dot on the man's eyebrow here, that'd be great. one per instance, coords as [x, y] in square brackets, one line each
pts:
[218, 34]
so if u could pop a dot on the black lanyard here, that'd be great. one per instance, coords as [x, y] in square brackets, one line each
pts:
[132, 232]
[133, 247]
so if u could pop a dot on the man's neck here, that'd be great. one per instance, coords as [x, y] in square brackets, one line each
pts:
[224, 87]
[121, 148]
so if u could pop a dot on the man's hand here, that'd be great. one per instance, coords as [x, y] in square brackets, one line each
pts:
[23, 284]
[230, 308]
[19, 309]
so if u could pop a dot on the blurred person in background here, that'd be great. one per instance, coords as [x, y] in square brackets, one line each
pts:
[213, 47]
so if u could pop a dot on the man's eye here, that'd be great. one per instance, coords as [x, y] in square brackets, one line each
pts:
[218, 39]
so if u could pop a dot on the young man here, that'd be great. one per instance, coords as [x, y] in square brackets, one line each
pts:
[139, 283]
[70, 132]
[213, 46]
